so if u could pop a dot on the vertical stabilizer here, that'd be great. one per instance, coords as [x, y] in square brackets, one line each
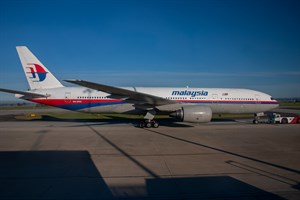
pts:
[38, 76]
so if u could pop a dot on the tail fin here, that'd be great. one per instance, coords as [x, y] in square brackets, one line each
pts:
[38, 76]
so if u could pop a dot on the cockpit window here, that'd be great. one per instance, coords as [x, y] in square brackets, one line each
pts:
[272, 98]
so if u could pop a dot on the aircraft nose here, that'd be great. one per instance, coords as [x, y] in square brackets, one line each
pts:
[276, 104]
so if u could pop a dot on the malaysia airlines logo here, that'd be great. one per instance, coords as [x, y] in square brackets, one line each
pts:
[37, 72]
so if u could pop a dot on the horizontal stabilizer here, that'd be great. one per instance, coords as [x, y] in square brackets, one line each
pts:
[27, 94]
[131, 95]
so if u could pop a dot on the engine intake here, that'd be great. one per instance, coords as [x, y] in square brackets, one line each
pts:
[200, 114]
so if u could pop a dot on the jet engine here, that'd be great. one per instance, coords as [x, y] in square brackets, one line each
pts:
[194, 114]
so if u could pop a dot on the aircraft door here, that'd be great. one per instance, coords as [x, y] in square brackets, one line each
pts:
[215, 98]
[257, 98]
[214, 105]
[68, 97]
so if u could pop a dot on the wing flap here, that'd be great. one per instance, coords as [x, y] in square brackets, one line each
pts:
[132, 96]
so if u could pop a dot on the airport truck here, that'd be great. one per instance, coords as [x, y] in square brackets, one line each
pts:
[275, 118]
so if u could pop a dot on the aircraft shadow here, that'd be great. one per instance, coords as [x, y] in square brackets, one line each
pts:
[223, 120]
[169, 122]
[73, 175]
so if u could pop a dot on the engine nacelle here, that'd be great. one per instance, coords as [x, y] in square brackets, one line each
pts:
[194, 114]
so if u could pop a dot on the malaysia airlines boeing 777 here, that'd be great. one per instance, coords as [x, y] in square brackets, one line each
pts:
[187, 104]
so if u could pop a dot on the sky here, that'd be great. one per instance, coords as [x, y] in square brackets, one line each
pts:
[171, 43]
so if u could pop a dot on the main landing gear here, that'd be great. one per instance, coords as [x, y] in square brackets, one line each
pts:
[149, 121]
[148, 124]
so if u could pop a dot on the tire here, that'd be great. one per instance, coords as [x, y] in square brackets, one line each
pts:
[284, 121]
[155, 125]
[255, 121]
[141, 124]
[148, 125]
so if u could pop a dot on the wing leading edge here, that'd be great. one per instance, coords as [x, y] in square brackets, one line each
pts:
[132, 96]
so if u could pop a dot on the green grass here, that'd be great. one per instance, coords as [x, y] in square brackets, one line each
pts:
[24, 107]
[290, 104]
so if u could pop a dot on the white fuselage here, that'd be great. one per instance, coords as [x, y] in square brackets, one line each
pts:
[220, 100]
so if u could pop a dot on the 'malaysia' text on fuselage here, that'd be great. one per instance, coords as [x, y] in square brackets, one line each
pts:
[190, 93]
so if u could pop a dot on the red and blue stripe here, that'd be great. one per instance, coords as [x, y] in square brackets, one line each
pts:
[77, 104]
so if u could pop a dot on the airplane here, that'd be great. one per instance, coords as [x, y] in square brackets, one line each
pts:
[194, 105]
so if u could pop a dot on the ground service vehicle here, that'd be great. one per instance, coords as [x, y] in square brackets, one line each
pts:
[275, 118]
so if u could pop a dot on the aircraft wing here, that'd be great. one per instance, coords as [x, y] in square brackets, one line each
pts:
[132, 96]
[27, 94]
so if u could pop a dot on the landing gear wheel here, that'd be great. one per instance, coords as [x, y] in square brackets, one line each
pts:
[148, 125]
[141, 124]
[257, 118]
[155, 125]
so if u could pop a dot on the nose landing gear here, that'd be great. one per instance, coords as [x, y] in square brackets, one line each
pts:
[257, 117]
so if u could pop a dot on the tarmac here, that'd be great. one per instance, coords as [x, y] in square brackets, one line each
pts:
[112, 159]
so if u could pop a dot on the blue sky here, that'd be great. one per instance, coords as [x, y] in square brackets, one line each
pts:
[226, 43]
